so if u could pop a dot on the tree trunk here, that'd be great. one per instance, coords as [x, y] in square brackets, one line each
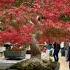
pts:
[35, 50]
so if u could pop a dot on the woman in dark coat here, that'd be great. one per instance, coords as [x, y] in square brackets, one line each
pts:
[56, 51]
[69, 56]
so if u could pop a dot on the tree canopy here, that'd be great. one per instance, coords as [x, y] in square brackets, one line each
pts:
[49, 20]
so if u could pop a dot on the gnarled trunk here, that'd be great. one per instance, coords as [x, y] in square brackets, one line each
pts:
[35, 50]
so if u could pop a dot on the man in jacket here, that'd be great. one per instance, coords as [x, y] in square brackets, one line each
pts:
[56, 51]
[69, 56]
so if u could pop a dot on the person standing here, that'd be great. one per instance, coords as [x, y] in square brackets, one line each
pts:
[2, 49]
[62, 49]
[56, 51]
[69, 56]
[50, 49]
[66, 50]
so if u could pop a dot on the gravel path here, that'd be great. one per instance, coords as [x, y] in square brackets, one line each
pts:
[63, 64]
[62, 61]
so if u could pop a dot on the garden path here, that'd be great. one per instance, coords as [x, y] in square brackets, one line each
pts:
[62, 61]
[63, 64]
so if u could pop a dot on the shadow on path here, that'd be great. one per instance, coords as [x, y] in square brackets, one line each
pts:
[58, 66]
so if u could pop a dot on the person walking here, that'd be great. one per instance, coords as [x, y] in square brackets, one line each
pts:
[66, 52]
[69, 56]
[56, 51]
[62, 49]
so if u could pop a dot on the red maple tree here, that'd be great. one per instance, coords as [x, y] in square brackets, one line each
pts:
[50, 19]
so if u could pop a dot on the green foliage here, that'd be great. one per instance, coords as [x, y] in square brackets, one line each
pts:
[65, 18]
[24, 2]
[18, 2]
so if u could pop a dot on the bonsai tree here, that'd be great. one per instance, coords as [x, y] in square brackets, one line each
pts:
[34, 21]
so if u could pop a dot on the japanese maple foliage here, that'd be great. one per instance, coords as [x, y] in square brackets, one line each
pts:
[6, 3]
[48, 18]
[21, 36]
[52, 11]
